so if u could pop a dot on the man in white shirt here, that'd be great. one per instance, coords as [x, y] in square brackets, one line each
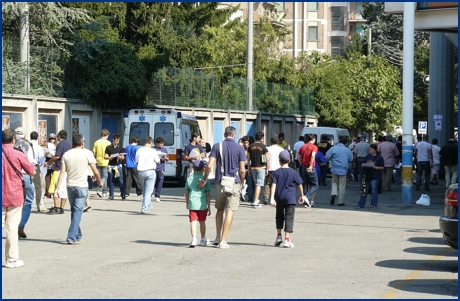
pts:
[296, 147]
[424, 157]
[147, 160]
[38, 160]
[274, 151]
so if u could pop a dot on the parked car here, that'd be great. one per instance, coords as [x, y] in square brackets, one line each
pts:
[448, 223]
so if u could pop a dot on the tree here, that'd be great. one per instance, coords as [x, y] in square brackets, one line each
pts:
[109, 76]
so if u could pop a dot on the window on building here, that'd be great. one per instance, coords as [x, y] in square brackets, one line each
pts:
[11, 120]
[337, 18]
[312, 6]
[336, 46]
[312, 33]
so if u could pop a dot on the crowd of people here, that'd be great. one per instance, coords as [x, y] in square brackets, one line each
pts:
[241, 170]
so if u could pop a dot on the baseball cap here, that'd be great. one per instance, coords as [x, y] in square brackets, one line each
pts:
[52, 136]
[20, 132]
[199, 164]
[363, 136]
[451, 140]
[284, 155]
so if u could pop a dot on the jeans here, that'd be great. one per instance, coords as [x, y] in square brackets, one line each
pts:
[258, 176]
[398, 174]
[104, 174]
[30, 190]
[323, 173]
[374, 184]
[250, 187]
[132, 175]
[309, 179]
[159, 182]
[147, 180]
[423, 166]
[111, 179]
[77, 199]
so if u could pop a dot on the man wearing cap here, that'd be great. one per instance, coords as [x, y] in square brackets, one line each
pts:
[25, 147]
[359, 155]
[389, 152]
[62, 147]
[339, 156]
[39, 160]
[234, 159]
[449, 157]
[12, 195]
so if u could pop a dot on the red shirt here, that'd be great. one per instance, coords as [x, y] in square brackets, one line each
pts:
[306, 151]
[12, 193]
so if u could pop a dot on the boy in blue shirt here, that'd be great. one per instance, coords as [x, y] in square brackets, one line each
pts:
[198, 202]
[283, 197]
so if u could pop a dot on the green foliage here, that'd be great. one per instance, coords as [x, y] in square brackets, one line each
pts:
[111, 76]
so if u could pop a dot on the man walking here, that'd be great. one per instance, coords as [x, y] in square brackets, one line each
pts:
[113, 153]
[273, 153]
[131, 167]
[389, 152]
[161, 167]
[62, 147]
[75, 163]
[39, 159]
[359, 155]
[296, 148]
[339, 156]
[323, 146]
[229, 162]
[12, 195]
[307, 156]
[258, 160]
[249, 181]
[147, 160]
[26, 148]
[449, 157]
[102, 163]
[424, 156]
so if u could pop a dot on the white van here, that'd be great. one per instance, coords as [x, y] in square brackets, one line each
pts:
[175, 128]
[333, 134]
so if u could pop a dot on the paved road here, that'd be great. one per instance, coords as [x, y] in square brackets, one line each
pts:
[395, 251]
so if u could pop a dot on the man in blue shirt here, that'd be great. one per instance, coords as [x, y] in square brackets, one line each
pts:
[131, 167]
[339, 156]
[234, 159]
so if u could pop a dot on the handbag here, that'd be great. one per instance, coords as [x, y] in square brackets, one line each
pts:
[227, 182]
[17, 173]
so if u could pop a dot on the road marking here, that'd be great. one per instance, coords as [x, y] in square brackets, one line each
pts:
[413, 275]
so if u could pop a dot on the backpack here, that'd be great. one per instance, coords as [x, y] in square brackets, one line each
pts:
[23, 145]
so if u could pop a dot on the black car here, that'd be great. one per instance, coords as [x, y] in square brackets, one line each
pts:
[448, 223]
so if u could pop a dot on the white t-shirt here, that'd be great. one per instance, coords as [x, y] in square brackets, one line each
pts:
[436, 156]
[422, 151]
[147, 158]
[76, 162]
[297, 146]
[274, 155]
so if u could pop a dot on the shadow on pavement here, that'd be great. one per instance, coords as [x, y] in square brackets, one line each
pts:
[428, 240]
[430, 251]
[422, 265]
[446, 287]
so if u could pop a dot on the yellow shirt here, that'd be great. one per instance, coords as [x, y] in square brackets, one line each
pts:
[283, 145]
[99, 151]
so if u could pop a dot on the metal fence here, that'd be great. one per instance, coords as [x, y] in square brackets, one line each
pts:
[45, 70]
[189, 88]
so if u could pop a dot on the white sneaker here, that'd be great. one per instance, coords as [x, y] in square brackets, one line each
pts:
[288, 244]
[193, 243]
[157, 200]
[278, 241]
[16, 264]
[306, 201]
[204, 242]
[257, 206]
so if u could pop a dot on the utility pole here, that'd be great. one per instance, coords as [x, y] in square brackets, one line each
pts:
[250, 58]
[24, 45]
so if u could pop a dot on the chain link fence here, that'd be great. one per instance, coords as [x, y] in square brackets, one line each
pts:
[45, 72]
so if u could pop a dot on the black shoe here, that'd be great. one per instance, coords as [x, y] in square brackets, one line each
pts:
[341, 204]
[60, 210]
[332, 199]
[428, 189]
[21, 233]
[53, 210]
[123, 198]
[265, 202]
[87, 207]
[111, 198]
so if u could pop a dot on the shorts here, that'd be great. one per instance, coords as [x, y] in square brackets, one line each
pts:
[435, 169]
[53, 182]
[258, 176]
[225, 201]
[197, 215]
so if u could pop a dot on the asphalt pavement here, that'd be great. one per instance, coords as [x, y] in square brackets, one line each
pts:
[395, 251]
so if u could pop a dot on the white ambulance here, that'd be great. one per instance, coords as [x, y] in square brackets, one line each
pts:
[175, 128]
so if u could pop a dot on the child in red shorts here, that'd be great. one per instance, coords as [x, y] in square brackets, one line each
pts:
[198, 202]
